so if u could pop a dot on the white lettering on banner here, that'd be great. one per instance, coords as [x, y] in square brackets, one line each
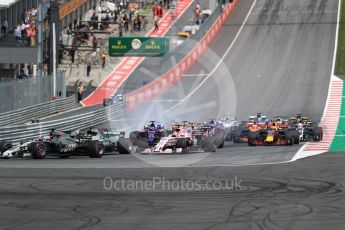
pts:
[164, 25]
[111, 83]
[126, 67]
[117, 77]
[131, 62]
[120, 72]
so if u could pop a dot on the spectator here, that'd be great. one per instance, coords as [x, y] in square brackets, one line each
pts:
[80, 91]
[137, 23]
[33, 12]
[24, 15]
[120, 29]
[103, 59]
[88, 68]
[156, 25]
[23, 30]
[144, 23]
[94, 42]
[94, 57]
[18, 35]
[72, 54]
[197, 15]
[33, 36]
[4, 26]
[160, 10]
[28, 35]
[126, 22]
[154, 11]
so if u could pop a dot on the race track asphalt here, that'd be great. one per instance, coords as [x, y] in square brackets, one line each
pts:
[302, 195]
[280, 64]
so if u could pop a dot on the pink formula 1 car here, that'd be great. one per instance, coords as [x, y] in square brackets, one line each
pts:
[188, 137]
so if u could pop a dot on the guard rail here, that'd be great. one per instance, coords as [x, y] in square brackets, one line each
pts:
[36, 111]
[19, 133]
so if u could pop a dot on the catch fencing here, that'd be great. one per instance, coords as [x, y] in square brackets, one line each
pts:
[21, 93]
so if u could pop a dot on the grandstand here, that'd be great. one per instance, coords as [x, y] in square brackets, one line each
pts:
[26, 38]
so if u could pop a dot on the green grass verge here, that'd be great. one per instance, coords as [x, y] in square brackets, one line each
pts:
[338, 143]
[340, 61]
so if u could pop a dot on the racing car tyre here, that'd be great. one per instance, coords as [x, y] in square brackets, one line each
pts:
[4, 146]
[183, 144]
[38, 150]
[124, 146]
[251, 138]
[229, 137]
[236, 140]
[317, 134]
[296, 137]
[138, 141]
[289, 136]
[208, 145]
[95, 149]
[221, 145]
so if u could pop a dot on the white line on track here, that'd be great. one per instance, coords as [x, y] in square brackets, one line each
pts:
[166, 100]
[220, 61]
[195, 75]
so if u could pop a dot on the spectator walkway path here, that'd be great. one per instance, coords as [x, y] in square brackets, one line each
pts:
[123, 70]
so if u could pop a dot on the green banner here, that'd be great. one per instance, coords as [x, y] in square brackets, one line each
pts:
[138, 46]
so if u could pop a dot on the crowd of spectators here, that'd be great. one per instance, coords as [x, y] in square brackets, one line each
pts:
[129, 16]
[126, 17]
[25, 32]
[117, 17]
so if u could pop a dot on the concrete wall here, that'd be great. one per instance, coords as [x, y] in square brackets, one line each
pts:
[18, 55]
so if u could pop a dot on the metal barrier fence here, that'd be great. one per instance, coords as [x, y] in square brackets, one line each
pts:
[17, 94]
[37, 111]
[19, 133]
[9, 40]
